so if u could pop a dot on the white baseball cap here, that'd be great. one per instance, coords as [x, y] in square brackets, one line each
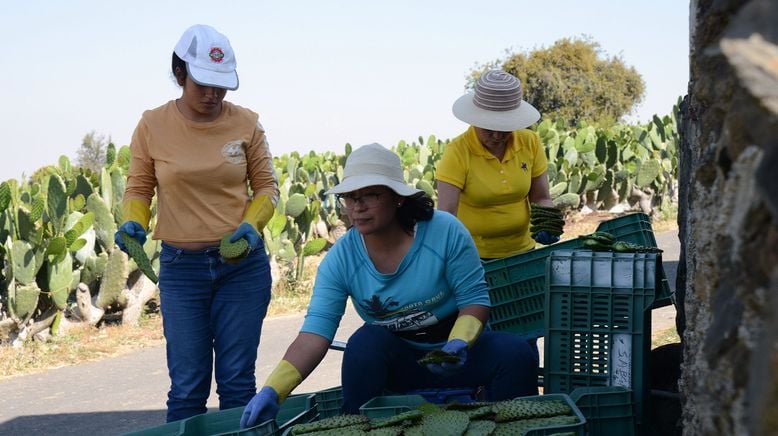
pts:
[210, 60]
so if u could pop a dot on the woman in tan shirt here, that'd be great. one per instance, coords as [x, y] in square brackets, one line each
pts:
[201, 154]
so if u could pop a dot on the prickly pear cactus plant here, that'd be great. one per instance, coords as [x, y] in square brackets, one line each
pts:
[94, 268]
[114, 280]
[23, 292]
[23, 299]
[104, 224]
[60, 280]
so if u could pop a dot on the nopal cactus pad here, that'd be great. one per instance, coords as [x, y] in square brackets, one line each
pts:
[233, 252]
[135, 250]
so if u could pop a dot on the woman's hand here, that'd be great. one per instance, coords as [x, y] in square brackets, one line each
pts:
[454, 347]
[248, 232]
[263, 407]
[133, 230]
[545, 238]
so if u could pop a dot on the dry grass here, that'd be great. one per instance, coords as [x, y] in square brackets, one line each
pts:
[585, 224]
[292, 297]
[82, 344]
[664, 337]
[88, 343]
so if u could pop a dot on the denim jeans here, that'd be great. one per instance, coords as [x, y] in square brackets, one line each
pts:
[210, 308]
[375, 359]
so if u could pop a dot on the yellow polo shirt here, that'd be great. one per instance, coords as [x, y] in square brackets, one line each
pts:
[493, 204]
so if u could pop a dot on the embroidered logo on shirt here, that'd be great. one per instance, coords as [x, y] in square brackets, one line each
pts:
[524, 166]
[233, 152]
[216, 54]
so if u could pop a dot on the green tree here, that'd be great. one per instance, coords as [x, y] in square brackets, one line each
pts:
[573, 80]
[91, 154]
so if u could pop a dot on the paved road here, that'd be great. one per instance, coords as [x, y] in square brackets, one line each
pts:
[127, 393]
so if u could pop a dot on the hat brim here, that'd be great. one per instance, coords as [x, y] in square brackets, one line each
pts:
[502, 121]
[354, 183]
[227, 80]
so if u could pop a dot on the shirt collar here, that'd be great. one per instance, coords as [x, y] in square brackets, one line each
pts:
[478, 149]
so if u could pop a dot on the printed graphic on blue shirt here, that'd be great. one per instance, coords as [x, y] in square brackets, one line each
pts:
[414, 321]
[412, 316]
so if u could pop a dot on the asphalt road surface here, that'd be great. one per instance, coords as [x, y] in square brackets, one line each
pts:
[128, 392]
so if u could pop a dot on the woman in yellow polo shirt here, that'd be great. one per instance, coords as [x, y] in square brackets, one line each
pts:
[489, 175]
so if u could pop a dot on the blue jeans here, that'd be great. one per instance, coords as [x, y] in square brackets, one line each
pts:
[211, 308]
[375, 359]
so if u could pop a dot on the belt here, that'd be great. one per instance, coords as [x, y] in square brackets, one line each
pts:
[431, 334]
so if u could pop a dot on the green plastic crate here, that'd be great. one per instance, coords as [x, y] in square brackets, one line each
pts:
[448, 395]
[169, 429]
[385, 406]
[390, 405]
[636, 228]
[577, 429]
[609, 410]
[296, 409]
[598, 321]
[517, 284]
[223, 423]
[329, 402]
[517, 287]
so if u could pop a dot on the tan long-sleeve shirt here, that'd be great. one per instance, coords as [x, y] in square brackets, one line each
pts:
[200, 170]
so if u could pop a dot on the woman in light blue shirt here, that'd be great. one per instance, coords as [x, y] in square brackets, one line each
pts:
[414, 276]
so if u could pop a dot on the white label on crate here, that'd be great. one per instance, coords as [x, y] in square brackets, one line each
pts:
[621, 360]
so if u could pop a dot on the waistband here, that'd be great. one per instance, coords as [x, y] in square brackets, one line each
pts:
[210, 251]
[431, 334]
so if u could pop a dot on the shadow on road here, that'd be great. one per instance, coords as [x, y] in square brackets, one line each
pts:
[671, 271]
[93, 424]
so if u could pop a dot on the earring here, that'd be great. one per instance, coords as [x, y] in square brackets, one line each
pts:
[399, 204]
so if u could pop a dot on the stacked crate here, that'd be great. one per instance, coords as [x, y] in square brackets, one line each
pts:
[594, 309]
[598, 322]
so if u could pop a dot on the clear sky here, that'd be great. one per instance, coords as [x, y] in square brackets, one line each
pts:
[319, 73]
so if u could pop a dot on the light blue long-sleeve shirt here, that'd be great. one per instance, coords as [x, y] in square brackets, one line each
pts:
[440, 274]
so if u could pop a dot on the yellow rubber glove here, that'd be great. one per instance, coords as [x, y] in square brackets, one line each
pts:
[137, 210]
[284, 378]
[135, 216]
[466, 328]
[259, 212]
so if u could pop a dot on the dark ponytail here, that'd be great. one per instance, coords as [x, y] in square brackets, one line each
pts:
[418, 207]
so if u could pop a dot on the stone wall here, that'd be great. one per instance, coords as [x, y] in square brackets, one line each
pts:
[728, 220]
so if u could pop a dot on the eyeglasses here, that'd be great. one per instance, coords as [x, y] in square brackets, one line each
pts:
[368, 201]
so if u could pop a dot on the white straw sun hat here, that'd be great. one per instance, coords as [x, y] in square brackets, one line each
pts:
[371, 165]
[496, 104]
[210, 60]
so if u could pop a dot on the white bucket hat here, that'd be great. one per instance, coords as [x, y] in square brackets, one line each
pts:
[496, 104]
[371, 165]
[210, 60]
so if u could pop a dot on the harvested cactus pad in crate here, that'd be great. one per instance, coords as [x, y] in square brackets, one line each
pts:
[536, 415]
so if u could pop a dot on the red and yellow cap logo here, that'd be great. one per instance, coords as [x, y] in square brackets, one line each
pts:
[216, 54]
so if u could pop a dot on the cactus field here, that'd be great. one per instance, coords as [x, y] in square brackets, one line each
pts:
[60, 267]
